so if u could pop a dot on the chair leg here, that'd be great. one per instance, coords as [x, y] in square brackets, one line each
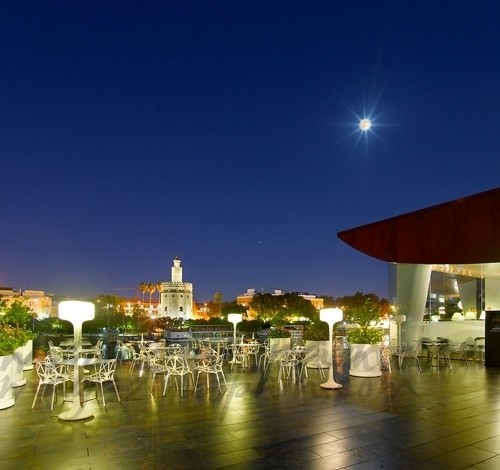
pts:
[116, 390]
[53, 395]
[196, 383]
[36, 395]
[224, 377]
[102, 393]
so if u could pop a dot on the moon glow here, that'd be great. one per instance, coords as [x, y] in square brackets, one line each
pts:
[365, 124]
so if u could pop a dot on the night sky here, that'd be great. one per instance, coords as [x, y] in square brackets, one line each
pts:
[225, 133]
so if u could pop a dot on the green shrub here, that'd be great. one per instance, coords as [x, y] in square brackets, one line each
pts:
[364, 316]
[317, 331]
[278, 333]
[12, 338]
[14, 324]
[367, 335]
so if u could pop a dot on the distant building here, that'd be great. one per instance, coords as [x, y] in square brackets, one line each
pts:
[36, 300]
[247, 297]
[176, 297]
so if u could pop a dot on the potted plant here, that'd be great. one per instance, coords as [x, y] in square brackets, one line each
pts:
[10, 339]
[317, 342]
[15, 320]
[279, 341]
[365, 340]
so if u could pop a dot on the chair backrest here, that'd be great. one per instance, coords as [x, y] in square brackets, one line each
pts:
[288, 358]
[107, 369]
[253, 348]
[176, 365]
[277, 346]
[49, 373]
[55, 354]
[173, 349]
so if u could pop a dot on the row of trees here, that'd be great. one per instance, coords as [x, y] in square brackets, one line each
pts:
[279, 310]
[150, 288]
[270, 310]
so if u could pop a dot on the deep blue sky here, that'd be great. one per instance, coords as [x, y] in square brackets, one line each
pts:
[224, 132]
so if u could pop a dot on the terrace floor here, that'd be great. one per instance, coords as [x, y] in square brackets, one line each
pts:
[447, 419]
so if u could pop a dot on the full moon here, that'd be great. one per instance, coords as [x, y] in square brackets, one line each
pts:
[365, 124]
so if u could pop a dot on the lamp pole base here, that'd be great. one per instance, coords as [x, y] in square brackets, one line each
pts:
[330, 384]
[75, 413]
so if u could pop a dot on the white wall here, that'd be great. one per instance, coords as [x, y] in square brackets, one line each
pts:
[492, 294]
[455, 331]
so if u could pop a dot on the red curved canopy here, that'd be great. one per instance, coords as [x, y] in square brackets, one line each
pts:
[462, 231]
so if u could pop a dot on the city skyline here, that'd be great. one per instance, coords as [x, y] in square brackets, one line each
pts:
[228, 134]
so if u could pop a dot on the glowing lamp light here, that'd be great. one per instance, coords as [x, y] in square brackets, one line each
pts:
[365, 124]
[331, 316]
[234, 318]
[470, 315]
[76, 312]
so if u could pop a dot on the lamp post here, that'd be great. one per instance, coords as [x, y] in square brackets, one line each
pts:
[330, 316]
[76, 312]
[234, 318]
[108, 307]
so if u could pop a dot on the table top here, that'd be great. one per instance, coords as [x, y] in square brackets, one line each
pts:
[70, 342]
[82, 361]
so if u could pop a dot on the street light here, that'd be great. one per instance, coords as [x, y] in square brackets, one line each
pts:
[76, 312]
[234, 318]
[330, 316]
[108, 307]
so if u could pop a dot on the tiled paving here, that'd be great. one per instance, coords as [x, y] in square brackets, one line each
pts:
[434, 420]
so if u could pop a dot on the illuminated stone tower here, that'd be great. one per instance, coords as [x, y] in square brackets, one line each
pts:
[176, 297]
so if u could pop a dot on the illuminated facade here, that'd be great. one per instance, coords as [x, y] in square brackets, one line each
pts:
[36, 300]
[246, 299]
[176, 297]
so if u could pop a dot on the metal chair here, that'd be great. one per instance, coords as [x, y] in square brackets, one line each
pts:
[211, 364]
[287, 365]
[51, 374]
[385, 358]
[410, 352]
[105, 372]
[176, 366]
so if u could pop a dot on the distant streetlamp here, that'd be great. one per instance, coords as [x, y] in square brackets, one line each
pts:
[234, 318]
[330, 316]
[108, 307]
